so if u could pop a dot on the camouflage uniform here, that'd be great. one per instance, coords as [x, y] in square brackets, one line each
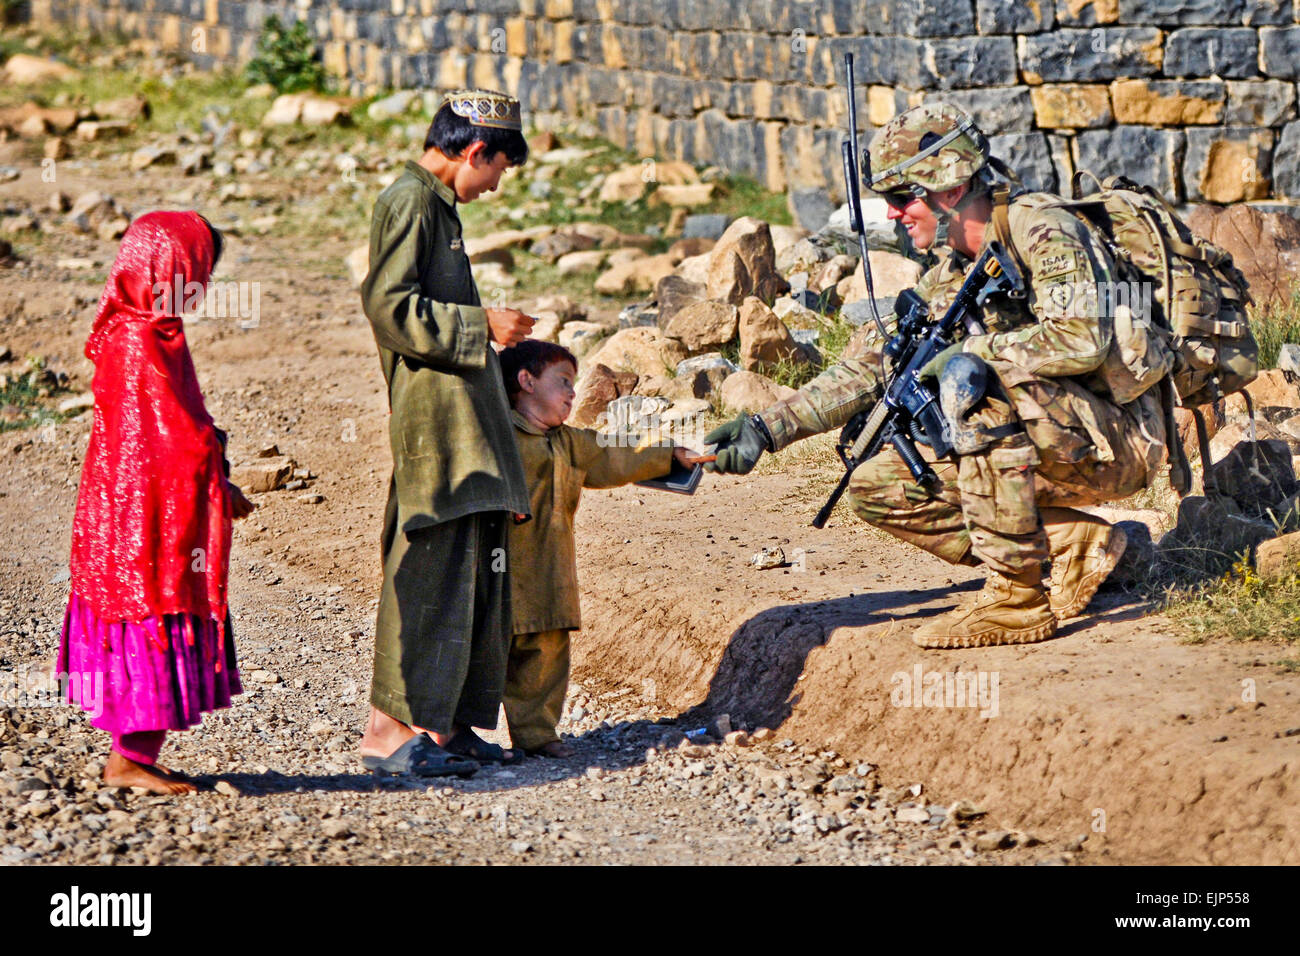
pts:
[1054, 354]
[1078, 448]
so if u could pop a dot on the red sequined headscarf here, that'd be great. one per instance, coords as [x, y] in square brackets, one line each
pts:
[152, 529]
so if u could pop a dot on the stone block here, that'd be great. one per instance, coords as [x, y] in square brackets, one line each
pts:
[1279, 53]
[1269, 12]
[1180, 12]
[1286, 165]
[1086, 13]
[1169, 102]
[1198, 51]
[1028, 155]
[1151, 157]
[1015, 16]
[960, 63]
[998, 109]
[1062, 160]
[1228, 164]
[1072, 105]
[810, 208]
[921, 18]
[1260, 103]
[1107, 53]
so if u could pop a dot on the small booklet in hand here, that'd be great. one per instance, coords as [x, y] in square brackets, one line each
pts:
[681, 479]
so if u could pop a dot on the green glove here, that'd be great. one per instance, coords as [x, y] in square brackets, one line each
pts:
[740, 443]
[934, 367]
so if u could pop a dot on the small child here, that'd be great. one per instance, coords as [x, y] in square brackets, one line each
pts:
[559, 461]
[148, 614]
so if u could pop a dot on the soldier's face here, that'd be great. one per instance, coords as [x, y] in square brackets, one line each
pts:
[917, 219]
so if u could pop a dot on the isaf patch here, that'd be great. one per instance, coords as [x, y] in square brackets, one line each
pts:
[1058, 264]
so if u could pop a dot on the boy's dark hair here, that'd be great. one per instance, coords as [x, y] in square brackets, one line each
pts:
[536, 356]
[452, 135]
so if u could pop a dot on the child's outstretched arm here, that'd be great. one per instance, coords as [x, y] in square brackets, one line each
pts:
[608, 466]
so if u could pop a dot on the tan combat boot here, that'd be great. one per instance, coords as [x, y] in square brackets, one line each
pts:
[1084, 552]
[1006, 611]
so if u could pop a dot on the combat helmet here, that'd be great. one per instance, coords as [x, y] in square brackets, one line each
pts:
[932, 147]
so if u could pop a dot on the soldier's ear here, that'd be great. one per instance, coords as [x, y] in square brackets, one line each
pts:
[526, 381]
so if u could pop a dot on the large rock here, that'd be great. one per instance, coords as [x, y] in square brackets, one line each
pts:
[890, 274]
[595, 390]
[637, 349]
[673, 292]
[749, 392]
[743, 263]
[637, 275]
[581, 337]
[1278, 556]
[560, 243]
[1271, 387]
[765, 341]
[630, 182]
[505, 239]
[22, 68]
[1256, 475]
[702, 375]
[305, 108]
[703, 326]
[1264, 246]
[575, 263]
[134, 107]
[687, 196]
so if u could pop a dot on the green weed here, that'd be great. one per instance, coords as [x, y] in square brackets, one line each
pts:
[1274, 326]
[286, 58]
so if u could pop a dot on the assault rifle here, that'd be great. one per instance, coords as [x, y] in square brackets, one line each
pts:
[909, 412]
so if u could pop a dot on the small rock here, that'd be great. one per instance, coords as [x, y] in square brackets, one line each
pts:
[914, 815]
[997, 840]
[520, 847]
[705, 226]
[737, 738]
[77, 403]
[768, 558]
[335, 829]
[226, 788]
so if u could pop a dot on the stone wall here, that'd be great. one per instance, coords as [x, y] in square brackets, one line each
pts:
[1196, 97]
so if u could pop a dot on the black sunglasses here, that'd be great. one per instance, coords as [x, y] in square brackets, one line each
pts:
[898, 198]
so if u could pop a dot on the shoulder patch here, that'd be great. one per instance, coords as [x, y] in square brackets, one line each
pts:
[1058, 264]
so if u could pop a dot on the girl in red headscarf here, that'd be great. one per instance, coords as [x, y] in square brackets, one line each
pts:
[146, 639]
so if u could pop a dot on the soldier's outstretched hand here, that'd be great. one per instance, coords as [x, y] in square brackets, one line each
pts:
[739, 446]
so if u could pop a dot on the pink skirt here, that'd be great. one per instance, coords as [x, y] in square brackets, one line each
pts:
[163, 673]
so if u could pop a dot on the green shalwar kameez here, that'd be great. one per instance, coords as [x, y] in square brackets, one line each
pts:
[443, 627]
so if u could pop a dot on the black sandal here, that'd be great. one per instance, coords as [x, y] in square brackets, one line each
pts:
[466, 743]
[421, 757]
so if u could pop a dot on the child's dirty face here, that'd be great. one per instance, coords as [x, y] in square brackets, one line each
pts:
[552, 393]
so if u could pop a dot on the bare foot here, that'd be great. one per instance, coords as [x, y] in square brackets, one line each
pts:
[556, 748]
[383, 735]
[121, 772]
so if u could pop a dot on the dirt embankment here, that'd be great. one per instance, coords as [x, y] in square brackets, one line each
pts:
[1156, 751]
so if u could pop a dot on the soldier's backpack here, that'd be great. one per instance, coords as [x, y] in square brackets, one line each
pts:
[1203, 348]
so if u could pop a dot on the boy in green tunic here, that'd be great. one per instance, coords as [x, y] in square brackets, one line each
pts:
[443, 625]
[559, 461]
